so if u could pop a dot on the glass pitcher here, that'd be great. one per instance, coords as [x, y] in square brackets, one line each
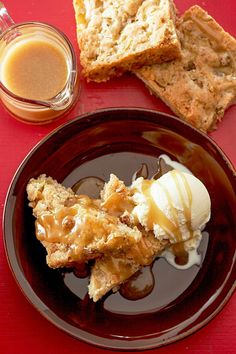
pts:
[28, 109]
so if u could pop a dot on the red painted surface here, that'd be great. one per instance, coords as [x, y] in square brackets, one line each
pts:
[22, 329]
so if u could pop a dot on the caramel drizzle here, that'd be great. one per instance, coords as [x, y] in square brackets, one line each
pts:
[65, 226]
[79, 224]
[157, 216]
[187, 208]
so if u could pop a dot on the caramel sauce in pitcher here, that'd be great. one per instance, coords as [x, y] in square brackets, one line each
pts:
[34, 69]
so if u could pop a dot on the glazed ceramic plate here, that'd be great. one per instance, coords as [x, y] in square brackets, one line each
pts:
[119, 141]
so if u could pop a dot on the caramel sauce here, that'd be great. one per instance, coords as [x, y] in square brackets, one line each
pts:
[78, 224]
[141, 253]
[163, 168]
[64, 226]
[116, 204]
[157, 216]
[81, 270]
[119, 267]
[35, 69]
[92, 184]
[181, 255]
[139, 285]
[141, 172]
[187, 208]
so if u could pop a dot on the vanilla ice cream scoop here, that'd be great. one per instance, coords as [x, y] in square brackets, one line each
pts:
[174, 207]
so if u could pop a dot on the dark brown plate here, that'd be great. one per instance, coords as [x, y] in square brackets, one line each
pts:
[119, 141]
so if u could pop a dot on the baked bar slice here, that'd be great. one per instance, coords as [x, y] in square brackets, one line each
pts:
[110, 270]
[75, 229]
[202, 84]
[119, 35]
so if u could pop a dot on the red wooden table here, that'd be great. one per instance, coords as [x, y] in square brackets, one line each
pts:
[22, 329]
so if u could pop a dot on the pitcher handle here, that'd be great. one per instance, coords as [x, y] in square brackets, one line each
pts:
[5, 19]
